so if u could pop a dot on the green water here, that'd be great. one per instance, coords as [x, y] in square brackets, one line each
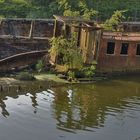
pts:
[108, 110]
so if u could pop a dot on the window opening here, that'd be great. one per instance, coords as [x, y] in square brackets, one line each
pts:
[124, 49]
[110, 47]
[138, 49]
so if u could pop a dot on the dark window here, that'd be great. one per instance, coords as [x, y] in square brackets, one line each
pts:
[138, 49]
[110, 47]
[68, 32]
[124, 49]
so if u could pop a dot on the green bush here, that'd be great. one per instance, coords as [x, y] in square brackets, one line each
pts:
[88, 71]
[25, 76]
[85, 72]
[71, 75]
[114, 21]
[40, 66]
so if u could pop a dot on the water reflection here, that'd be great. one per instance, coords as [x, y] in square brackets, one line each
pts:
[34, 102]
[87, 106]
[4, 111]
[77, 107]
[78, 110]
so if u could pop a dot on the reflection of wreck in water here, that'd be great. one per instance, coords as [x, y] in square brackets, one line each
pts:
[31, 90]
[81, 113]
[76, 107]
[34, 102]
[89, 105]
[4, 111]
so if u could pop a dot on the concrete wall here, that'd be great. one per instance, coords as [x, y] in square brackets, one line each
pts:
[24, 35]
[21, 27]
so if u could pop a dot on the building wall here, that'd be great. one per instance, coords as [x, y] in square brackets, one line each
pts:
[116, 62]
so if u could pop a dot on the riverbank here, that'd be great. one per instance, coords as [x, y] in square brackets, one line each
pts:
[12, 84]
[50, 77]
[10, 80]
[55, 79]
[43, 80]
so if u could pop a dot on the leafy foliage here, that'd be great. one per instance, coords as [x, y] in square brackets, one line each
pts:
[71, 57]
[71, 13]
[89, 9]
[14, 8]
[88, 71]
[116, 18]
[25, 76]
[40, 66]
[71, 76]
[67, 48]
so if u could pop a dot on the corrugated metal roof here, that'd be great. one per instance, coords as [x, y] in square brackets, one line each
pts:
[131, 23]
[121, 36]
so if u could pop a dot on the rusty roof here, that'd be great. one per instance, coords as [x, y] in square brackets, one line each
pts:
[121, 36]
[74, 22]
[72, 19]
[131, 23]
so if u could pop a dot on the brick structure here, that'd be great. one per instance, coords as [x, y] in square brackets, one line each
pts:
[119, 52]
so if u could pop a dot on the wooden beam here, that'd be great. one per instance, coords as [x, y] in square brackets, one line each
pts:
[31, 29]
[10, 37]
[55, 27]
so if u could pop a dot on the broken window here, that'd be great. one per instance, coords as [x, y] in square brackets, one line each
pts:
[124, 49]
[68, 31]
[110, 47]
[138, 49]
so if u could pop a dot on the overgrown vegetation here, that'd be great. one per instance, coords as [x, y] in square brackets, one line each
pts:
[40, 66]
[69, 55]
[84, 72]
[88, 71]
[93, 9]
[113, 22]
[25, 76]
[15, 8]
[66, 52]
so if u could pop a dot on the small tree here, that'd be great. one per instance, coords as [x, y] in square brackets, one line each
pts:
[89, 13]
[85, 14]
[67, 48]
[113, 22]
[71, 13]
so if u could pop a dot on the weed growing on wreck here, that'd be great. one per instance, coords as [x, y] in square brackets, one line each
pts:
[88, 71]
[66, 52]
[114, 21]
[40, 66]
[25, 76]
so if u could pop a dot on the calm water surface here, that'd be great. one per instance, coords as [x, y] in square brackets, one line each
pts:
[102, 111]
